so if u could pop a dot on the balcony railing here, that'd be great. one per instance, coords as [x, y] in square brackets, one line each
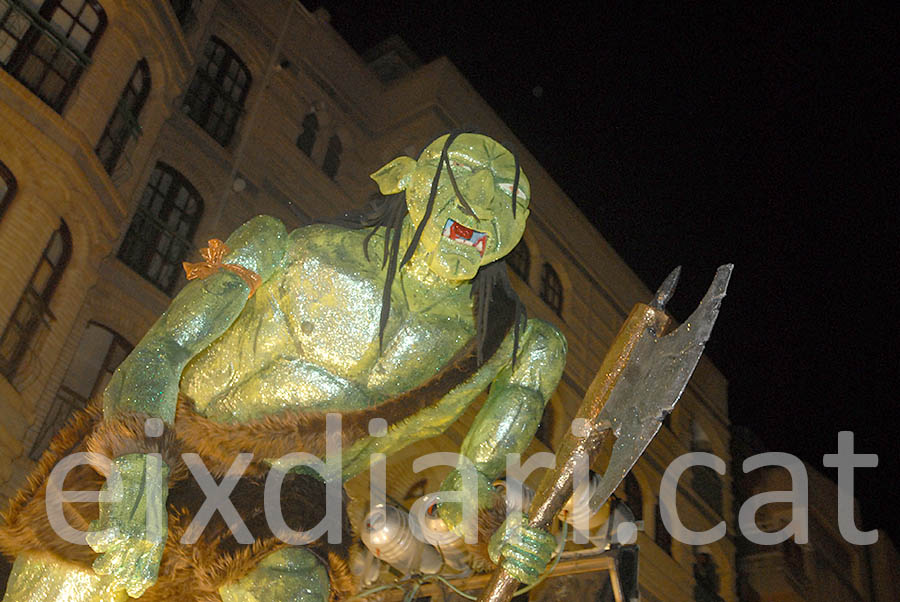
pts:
[31, 313]
[64, 404]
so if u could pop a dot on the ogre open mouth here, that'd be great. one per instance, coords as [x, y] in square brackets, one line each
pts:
[466, 236]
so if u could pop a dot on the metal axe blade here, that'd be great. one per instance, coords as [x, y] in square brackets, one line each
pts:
[639, 381]
[653, 381]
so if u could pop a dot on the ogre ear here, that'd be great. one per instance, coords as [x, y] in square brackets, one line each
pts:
[394, 177]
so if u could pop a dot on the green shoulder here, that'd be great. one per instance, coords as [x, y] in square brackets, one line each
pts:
[342, 244]
[258, 245]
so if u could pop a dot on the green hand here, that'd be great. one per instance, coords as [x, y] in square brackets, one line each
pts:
[524, 552]
[480, 493]
[130, 533]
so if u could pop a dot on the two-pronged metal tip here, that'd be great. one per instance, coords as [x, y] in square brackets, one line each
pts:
[665, 290]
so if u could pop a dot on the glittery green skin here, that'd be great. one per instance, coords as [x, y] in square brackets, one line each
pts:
[309, 338]
[289, 575]
[41, 579]
[131, 547]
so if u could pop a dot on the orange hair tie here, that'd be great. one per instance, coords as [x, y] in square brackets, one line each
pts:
[212, 262]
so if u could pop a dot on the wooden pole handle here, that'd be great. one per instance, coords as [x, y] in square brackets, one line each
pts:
[585, 442]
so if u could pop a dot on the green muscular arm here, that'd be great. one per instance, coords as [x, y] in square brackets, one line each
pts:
[131, 531]
[505, 425]
[510, 416]
[147, 380]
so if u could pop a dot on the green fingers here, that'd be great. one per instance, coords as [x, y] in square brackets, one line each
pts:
[130, 533]
[523, 551]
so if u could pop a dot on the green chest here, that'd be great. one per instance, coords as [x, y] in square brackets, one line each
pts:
[309, 338]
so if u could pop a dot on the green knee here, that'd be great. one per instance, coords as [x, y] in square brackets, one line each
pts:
[288, 575]
[43, 578]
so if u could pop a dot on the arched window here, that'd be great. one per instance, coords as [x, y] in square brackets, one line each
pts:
[551, 288]
[633, 496]
[7, 187]
[307, 138]
[704, 480]
[124, 120]
[99, 353]
[699, 438]
[184, 12]
[332, 157]
[706, 579]
[215, 98]
[46, 45]
[519, 260]
[33, 308]
[661, 535]
[162, 230]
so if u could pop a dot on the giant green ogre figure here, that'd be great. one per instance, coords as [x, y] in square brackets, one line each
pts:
[366, 321]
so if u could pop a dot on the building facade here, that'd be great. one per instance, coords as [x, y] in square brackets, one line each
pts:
[132, 132]
[826, 566]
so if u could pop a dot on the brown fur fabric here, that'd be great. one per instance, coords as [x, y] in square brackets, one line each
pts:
[217, 558]
[196, 572]
[187, 572]
[25, 526]
[291, 431]
[279, 434]
[124, 434]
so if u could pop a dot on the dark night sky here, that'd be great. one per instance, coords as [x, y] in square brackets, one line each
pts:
[701, 136]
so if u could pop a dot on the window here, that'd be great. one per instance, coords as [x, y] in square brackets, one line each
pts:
[99, 353]
[124, 121]
[551, 288]
[307, 137]
[7, 187]
[704, 480]
[544, 432]
[829, 547]
[215, 98]
[519, 259]
[46, 45]
[699, 439]
[184, 12]
[34, 304]
[660, 535]
[633, 496]
[332, 157]
[793, 559]
[706, 579]
[161, 232]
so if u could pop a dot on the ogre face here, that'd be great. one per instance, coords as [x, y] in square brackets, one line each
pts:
[456, 242]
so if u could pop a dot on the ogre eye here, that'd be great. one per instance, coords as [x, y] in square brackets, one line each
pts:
[507, 188]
